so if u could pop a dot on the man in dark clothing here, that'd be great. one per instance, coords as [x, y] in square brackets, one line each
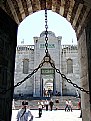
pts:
[57, 103]
[51, 104]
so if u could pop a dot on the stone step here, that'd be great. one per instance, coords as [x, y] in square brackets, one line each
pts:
[33, 102]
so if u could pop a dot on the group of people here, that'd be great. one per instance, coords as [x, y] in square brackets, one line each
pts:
[24, 114]
[45, 104]
[69, 105]
[48, 105]
[48, 93]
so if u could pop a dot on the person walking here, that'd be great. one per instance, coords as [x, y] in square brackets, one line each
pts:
[77, 94]
[13, 104]
[70, 105]
[40, 108]
[66, 107]
[24, 114]
[42, 103]
[46, 104]
[51, 103]
[57, 103]
[79, 106]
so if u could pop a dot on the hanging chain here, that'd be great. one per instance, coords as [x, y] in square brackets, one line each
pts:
[51, 62]
[46, 59]
[3, 91]
[68, 80]
[46, 33]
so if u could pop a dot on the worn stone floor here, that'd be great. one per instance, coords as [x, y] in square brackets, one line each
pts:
[55, 115]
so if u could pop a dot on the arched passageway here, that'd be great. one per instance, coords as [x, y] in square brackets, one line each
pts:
[77, 12]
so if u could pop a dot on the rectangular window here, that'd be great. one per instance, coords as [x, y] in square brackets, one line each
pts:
[25, 66]
[69, 66]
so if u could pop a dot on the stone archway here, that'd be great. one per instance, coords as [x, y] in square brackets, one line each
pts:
[78, 13]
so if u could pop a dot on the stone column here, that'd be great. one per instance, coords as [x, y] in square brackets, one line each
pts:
[82, 51]
[8, 40]
[88, 43]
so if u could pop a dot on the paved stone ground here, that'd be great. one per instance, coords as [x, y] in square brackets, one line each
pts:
[55, 115]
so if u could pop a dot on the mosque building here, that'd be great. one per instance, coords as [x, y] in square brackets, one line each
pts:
[64, 57]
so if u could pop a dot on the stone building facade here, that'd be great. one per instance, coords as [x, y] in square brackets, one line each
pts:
[64, 57]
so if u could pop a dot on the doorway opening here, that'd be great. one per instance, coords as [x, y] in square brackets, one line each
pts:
[48, 82]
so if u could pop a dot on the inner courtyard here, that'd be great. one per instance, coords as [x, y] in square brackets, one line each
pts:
[12, 13]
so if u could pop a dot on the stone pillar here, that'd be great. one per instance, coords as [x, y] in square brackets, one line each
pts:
[8, 40]
[88, 43]
[82, 51]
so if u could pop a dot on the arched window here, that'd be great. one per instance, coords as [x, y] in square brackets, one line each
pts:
[69, 66]
[25, 66]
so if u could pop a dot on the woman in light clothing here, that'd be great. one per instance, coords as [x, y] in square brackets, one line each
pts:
[66, 107]
[70, 105]
[46, 104]
[40, 106]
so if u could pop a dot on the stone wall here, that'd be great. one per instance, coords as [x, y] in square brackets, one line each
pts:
[24, 52]
[70, 52]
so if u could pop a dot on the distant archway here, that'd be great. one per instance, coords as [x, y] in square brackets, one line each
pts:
[78, 14]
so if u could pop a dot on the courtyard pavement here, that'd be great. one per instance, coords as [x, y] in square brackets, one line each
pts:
[55, 115]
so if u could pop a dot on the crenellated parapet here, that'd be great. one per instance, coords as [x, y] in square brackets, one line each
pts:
[69, 48]
[24, 47]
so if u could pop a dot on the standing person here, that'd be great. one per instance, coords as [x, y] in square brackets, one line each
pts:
[79, 106]
[13, 104]
[24, 114]
[57, 103]
[42, 103]
[70, 105]
[77, 94]
[56, 93]
[66, 107]
[46, 104]
[40, 109]
[51, 103]
[44, 92]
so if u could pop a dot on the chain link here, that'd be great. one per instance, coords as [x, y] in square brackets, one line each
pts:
[68, 80]
[46, 33]
[46, 59]
[3, 91]
[52, 64]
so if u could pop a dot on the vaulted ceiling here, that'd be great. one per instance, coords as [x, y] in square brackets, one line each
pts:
[76, 12]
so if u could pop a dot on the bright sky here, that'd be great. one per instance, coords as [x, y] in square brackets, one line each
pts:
[34, 25]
